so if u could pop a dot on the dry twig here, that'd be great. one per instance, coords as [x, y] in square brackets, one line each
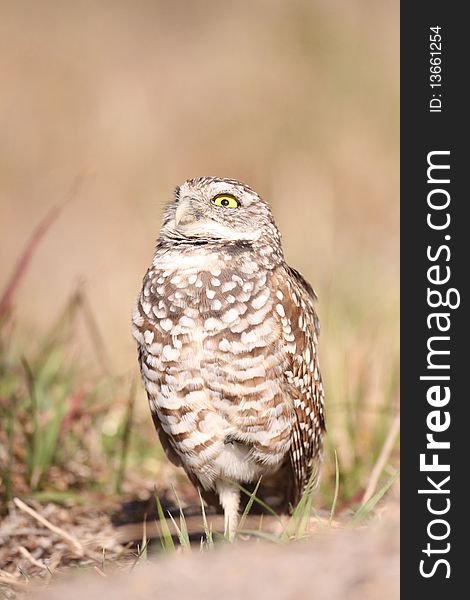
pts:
[6, 299]
[34, 561]
[73, 541]
[11, 580]
[382, 459]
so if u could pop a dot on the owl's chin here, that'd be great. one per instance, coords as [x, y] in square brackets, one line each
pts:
[212, 230]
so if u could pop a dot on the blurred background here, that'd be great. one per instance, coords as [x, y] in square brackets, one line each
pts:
[104, 108]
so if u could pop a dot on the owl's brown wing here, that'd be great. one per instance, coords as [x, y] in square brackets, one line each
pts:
[141, 324]
[300, 329]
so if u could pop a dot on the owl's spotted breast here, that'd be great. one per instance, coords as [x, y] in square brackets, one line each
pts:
[212, 365]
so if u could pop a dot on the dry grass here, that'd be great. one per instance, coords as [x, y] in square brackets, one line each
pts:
[298, 99]
[38, 542]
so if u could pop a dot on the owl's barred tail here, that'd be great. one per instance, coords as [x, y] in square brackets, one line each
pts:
[229, 497]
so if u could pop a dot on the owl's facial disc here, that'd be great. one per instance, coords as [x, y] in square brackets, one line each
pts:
[193, 218]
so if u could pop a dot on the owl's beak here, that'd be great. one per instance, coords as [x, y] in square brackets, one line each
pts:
[186, 212]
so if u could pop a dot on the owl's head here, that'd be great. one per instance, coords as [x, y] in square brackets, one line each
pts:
[217, 210]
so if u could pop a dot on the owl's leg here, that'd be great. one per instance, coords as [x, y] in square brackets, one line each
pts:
[229, 496]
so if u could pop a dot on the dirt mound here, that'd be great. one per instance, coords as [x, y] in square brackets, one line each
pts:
[358, 564]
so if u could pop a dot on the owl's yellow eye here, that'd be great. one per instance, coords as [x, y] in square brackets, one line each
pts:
[226, 201]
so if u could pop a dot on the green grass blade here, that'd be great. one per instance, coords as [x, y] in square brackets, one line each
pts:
[366, 508]
[261, 503]
[207, 530]
[303, 518]
[123, 443]
[181, 532]
[60, 497]
[141, 550]
[335, 497]
[249, 505]
[265, 535]
[166, 540]
[300, 518]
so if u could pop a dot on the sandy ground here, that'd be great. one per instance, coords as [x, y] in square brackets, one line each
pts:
[337, 564]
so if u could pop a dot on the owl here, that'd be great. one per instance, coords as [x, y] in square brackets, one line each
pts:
[227, 338]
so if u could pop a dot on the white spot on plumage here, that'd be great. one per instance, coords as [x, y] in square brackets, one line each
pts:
[249, 267]
[137, 318]
[150, 373]
[146, 307]
[154, 349]
[148, 336]
[166, 324]
[227, 286]
[280, 310]
[259, 301]
[290, 348]
[257, 317]
[170, 353]
[187, 322]
[151, 387]
[239, 326]
[159, 313]
[224, 345]
[243, 297]
[230, 316]
[211, 324]
[249, 336]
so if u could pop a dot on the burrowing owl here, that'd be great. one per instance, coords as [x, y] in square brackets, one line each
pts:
[227, 342]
